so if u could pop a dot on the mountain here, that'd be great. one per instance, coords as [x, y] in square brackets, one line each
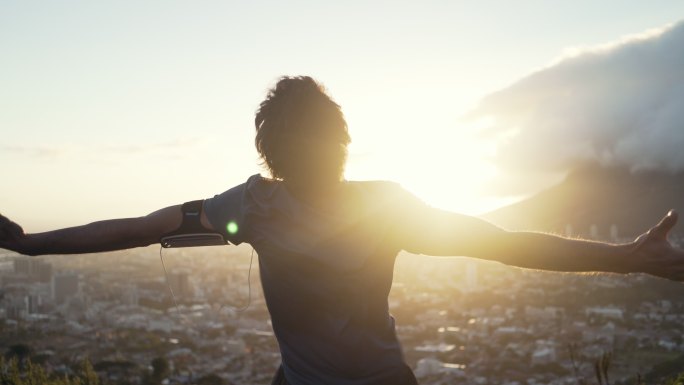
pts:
[599, 197]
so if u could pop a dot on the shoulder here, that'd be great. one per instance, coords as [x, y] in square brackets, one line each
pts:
[381, 189]
[378, 186]
[387, 197]
[254, 182]
[229, 207]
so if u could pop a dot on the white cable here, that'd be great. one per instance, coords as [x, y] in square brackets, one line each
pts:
[239, 310]
[166, 274]
[249, 285]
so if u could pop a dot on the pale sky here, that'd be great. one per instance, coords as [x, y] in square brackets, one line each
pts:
[120, 108]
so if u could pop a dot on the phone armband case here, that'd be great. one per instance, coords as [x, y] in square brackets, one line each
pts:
[191, 233]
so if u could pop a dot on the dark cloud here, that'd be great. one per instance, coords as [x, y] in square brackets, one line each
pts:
[618, 104]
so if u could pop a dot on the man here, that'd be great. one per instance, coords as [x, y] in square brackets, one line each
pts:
[327, 246]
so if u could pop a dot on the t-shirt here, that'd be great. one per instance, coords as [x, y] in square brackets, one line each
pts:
[326, 272]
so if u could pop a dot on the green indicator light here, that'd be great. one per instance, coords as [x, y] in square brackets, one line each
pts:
[232, 227]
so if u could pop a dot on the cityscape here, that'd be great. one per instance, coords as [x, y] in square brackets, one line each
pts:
[459, 320]
[563, 118]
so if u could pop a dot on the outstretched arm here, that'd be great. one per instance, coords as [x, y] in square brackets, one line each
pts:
[453, 234]
[108, 235]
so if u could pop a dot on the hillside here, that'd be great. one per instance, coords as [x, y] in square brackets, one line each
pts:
[604, 197]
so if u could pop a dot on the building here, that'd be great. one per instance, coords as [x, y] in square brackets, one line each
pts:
[471, 275]
[605, 311]
[33, 303]
[64, 286]
[180, 284]
[22, 266]
[35, 269]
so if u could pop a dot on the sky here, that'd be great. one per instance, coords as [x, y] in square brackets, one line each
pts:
[116, 109]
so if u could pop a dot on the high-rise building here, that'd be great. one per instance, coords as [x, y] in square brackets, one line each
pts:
[44, 272]
[22, 265]
[33, 268]
[130, 295]
[614, 232]
[33, 303]
[180, 284]
[16, 307]
[64, 286]
[471, 275]
[593, 231]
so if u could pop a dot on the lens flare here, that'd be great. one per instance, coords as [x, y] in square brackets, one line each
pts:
[232, 227]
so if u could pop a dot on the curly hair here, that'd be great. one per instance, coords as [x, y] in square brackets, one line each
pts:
[301, 133]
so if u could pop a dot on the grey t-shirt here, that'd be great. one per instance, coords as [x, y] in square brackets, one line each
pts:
[326, 273]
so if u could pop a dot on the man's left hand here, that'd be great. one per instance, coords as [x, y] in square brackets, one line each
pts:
[653, 253]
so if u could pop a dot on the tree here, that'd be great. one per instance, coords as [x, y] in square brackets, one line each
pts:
[88, 376]
[20, 352]
[31, 374]
[160, 369]
[210, 379]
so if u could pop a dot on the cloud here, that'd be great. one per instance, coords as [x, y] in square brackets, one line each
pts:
[620, 104]
[171, 145]
[54, 150]
[38, 151]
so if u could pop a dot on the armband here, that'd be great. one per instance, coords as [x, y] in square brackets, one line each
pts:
[191, 233]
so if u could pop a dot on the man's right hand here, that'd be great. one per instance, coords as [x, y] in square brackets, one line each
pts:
[11, 234]
[100, 236]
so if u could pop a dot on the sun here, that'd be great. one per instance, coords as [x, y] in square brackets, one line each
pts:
[448, 169]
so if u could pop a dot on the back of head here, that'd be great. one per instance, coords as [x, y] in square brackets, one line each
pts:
[301, 133]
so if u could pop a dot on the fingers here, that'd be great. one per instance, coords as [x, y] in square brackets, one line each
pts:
[10, 234]
[4, 224]
[662, 229]
[9, 229]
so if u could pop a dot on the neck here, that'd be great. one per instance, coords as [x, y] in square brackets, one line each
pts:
[312, 191]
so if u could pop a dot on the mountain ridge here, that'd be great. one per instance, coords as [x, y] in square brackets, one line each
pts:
[598, 197]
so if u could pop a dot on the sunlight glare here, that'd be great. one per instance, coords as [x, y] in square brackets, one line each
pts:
[448, 168]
